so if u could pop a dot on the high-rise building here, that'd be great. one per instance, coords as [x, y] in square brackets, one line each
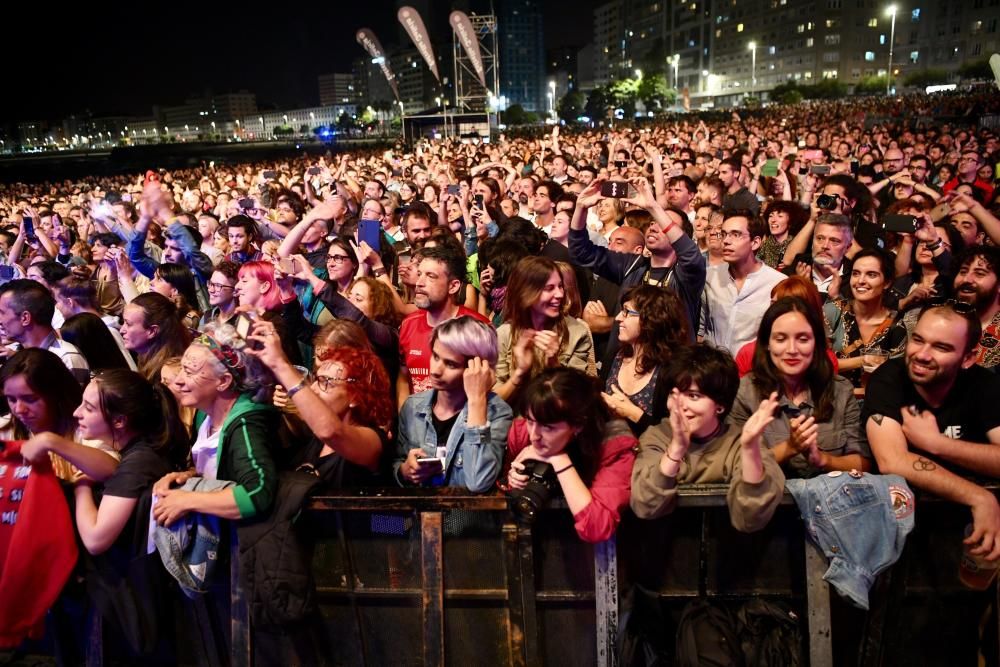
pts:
[522, 54]
[336, 88]
[726, 49]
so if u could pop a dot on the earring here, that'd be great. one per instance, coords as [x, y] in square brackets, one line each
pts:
[719, 410]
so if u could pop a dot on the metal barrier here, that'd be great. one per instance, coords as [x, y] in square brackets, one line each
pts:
[552, 588]
[421, 577]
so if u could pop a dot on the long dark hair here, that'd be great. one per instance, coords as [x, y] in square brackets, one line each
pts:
[172, 338]
[663, 326]
[47, 376]
[571, 396]
[149, 411]
[819, 375]
[89, 333]
[181, 279]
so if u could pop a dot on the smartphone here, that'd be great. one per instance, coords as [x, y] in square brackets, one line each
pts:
[29, 229]
[770, 168]
[455, 190]
[940, 212]
[370, 231]
[900, 223]
[616, 189]
[6, 272]
[431, 462]
[621, 164]
[478, 199]
[247, 203]
[288, 265]
[243, 326]
[820, 169]
[313, 171]
[855, 167]
[270, 175]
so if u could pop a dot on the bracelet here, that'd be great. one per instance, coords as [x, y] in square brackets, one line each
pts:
[379, 272]
[933, 246]
[673, 459]
[559, 472]
[299, 386]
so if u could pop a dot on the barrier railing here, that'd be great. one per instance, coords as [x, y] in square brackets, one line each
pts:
[432, 577]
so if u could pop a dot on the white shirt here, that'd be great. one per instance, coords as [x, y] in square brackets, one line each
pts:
[730, 318]
[204, 450]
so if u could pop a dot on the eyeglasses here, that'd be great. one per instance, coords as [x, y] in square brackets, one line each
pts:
[630, 313]
[337, 259]
[326, 382]
[968, 159]
[732, 234]
[212, 287]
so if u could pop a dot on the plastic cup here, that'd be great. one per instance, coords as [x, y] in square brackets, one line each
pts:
[975, 571]
[872, 360]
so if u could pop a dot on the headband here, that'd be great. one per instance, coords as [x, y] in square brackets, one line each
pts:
[226, 355]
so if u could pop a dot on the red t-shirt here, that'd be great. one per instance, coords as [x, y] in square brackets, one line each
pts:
[415, 345]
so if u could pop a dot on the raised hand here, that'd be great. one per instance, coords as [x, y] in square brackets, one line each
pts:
[758, 421]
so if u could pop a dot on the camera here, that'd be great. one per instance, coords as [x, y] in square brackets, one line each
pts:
[826, 202]
[526, 503]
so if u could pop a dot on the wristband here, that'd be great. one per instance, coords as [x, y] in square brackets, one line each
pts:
[933, 246]
[559, 472]
[379, 272]
[299, 386]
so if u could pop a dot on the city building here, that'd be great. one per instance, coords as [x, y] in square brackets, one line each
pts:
[522, 54]
[337, 88]
[722, 51]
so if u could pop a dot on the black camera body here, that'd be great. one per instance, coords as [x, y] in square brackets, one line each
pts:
[526, 503]
[826, 202]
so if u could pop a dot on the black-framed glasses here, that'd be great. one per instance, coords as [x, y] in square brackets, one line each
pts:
[337, 259]
[212, 287]
[327, 382]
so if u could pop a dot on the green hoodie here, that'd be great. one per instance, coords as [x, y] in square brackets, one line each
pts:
[243, 455]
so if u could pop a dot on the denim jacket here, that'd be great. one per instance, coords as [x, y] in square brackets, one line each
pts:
[475, 453]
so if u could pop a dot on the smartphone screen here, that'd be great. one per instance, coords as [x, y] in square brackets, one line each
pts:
[770, 169]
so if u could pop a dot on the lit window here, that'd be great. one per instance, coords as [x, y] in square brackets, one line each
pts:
[801, 28]
[870, 56]
[771, 50]
[809, 42]
[881, 38]
[915, 15]
[739, 27]
[872, 23]
[914, 56]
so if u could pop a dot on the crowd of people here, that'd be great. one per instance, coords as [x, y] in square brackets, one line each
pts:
[737, 300]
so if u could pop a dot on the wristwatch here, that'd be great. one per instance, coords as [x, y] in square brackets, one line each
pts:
[379, 272]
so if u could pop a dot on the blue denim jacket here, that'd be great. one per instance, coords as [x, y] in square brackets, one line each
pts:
[475, 453]
[860, 521]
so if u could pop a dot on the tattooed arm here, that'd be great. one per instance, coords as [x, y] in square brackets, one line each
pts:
[893, 454]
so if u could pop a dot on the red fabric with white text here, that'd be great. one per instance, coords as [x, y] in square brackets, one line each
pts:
[37, 545]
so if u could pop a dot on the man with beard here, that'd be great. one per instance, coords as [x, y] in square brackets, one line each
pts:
[439, 282]
[524, 194]
[977, 284]
[931, 418]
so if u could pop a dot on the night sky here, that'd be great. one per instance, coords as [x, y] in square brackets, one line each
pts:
[123, 61]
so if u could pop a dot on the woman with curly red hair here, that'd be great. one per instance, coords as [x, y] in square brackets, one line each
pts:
[346, 404]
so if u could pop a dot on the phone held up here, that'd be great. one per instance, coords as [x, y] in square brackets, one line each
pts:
[616, 189]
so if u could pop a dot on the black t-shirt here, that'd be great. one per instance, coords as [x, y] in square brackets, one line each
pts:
[141, 466]
[969, 412]
[442, 427]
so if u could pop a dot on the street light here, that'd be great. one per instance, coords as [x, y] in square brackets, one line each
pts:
[891, 11]
[552, 99]
[753, 67]
[677, 62]
[638, 74]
